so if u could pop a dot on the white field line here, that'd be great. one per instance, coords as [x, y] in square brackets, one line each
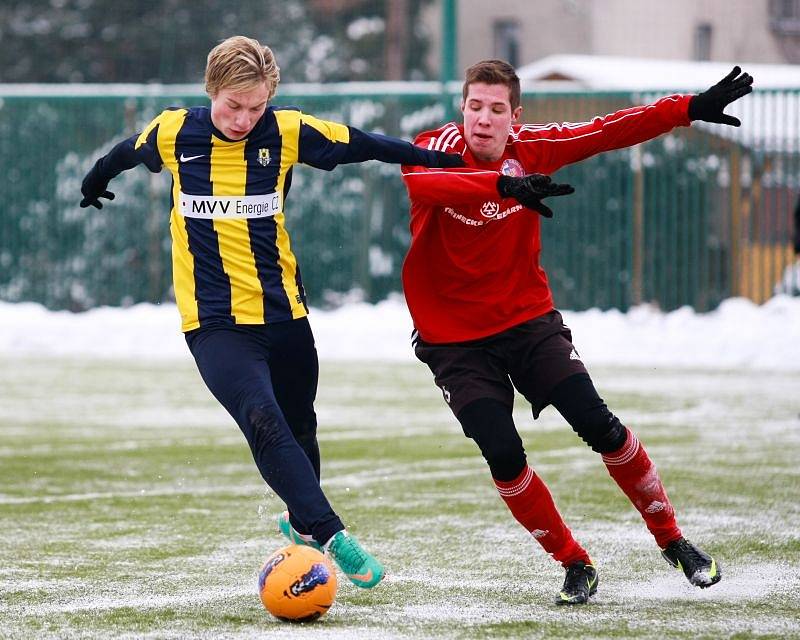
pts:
[231, 490]
[187, 598]
[742, 585]
[123, 445]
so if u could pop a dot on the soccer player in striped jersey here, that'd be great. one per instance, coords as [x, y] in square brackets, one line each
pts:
[237, 283]
[483, 311]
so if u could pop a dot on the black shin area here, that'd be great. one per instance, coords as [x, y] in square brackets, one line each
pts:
[576, 399]
[489, 423]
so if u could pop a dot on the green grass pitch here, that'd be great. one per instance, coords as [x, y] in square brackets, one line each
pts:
[130, 508]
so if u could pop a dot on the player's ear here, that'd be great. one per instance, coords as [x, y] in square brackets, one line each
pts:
[516, 113]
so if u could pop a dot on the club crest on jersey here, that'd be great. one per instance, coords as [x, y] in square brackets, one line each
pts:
[490, 209]
[512, 168]
[263, 157]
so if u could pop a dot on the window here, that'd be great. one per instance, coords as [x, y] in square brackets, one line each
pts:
[784, 16]
[702, 42]
[506, 41]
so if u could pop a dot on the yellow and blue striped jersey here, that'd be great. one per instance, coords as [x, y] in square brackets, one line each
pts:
[232, 258]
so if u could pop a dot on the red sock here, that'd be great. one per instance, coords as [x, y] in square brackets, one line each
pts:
[637, 476]
[532, 505]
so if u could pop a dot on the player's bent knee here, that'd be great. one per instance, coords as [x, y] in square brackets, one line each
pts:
[507, 466]
[606, 438]
[306, 433]
[267, 427]
[304, 429]
[600, 429]
[577, 400]
[489, 423]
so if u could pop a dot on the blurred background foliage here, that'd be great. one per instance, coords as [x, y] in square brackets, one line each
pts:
[167, 41]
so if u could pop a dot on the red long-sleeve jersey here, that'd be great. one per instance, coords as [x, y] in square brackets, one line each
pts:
[473, 266]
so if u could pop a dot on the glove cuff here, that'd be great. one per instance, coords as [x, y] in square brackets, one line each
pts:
[695, 107]
[504, 184]
[449, 160]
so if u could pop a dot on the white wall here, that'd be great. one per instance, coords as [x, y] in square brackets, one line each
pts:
[635, 28]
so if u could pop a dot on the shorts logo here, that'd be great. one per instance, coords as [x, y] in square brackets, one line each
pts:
[446, 394]
[263, 157]
[490, 209]
[513, 168]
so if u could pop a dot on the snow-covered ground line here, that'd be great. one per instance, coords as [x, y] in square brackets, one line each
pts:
[739, 334]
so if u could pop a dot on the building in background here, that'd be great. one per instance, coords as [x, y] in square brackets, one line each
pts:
[765, 31]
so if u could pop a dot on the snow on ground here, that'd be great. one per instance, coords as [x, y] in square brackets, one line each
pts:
[739, 334]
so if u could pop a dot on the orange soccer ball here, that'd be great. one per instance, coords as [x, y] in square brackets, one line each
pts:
[297, 583]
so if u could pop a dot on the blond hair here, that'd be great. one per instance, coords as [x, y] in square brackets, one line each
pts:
[239, 63]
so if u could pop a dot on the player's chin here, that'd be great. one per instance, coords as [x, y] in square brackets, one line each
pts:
[483, 143]
[485, 149]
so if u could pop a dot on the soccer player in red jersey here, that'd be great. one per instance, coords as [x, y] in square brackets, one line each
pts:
[483, 312]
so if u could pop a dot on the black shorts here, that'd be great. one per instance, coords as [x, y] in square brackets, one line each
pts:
[532, 357]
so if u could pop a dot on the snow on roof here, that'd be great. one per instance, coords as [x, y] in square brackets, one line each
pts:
[607, 73]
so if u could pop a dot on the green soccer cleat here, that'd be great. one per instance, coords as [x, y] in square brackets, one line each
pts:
[699, 567]
[580, 584]
[363, 570]
[286, 528]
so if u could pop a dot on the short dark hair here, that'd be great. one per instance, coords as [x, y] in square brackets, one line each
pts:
[494, 72]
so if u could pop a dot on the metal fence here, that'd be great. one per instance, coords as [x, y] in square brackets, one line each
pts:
[694, 217]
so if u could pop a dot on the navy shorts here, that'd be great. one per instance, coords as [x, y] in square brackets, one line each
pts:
[532, 357]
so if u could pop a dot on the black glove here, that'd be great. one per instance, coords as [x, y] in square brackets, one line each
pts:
[709, 104]
[94, 187]
[529, 191]
[445, 160]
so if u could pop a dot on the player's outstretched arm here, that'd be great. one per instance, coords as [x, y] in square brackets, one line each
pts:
[530, 189]
[709, 105]
[122, 157]
[95, 184]
[375, 146]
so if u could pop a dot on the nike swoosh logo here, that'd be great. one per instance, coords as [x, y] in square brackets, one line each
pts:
[184, 158]
[364, 577]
